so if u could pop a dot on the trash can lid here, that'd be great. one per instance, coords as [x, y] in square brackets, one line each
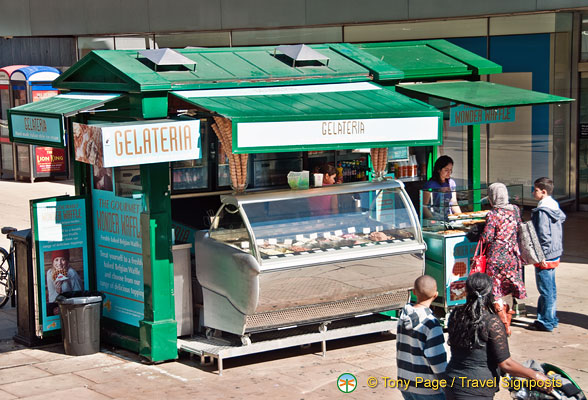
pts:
[80, 297]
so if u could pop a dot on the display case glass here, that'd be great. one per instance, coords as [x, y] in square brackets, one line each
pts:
[333, 221]
[453, 212]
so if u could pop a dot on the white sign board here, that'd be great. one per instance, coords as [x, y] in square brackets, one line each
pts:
[117, 145]
[321, 132]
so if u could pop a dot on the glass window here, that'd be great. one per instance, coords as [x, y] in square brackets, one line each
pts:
[224, 172]
[192, 174]
[22, 158]
[4, 103]
[197, 39]
[271, 169]
[7, 157]
[300, 226]
[584, 41]
[583, 143]
[455, 145]
[286, 36]
[87, 44]
[127, 181]
[19, 94]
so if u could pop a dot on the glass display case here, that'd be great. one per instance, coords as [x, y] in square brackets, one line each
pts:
[447, 212]
[289, 257]
[446, 217]
[338, 221]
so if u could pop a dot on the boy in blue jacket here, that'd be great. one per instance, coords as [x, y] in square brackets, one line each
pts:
[547, 219]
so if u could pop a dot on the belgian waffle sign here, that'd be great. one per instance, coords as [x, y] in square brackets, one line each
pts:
[115, 145]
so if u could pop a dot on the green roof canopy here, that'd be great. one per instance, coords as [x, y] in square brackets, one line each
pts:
[67, 104]
[426, 59]
[481, 94]
[41, 123]
[128, 71]
[344, 106]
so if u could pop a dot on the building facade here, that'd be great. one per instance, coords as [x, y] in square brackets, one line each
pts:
[542, 45]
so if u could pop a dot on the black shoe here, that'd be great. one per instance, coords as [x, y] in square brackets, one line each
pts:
[538, 326]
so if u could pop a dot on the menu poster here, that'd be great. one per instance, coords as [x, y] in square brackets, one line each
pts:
[61, 248]
[119, 257]
[50, 159]
[457, 263]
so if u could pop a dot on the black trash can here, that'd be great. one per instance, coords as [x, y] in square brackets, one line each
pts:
[80, 313]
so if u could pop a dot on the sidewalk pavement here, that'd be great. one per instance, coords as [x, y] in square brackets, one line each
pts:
[294, 373]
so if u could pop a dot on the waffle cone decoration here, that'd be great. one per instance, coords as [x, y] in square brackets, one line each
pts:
[379, 159]
[237, 162]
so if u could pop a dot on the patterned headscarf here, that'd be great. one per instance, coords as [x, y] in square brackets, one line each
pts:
[498, 196]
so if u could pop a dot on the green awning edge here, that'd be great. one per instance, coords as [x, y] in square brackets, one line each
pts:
[382, 71]
[481, 65]
[481, 94]
[476, 65]
[56, 107]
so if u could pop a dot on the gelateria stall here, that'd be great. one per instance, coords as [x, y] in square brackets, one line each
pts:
[127, 154]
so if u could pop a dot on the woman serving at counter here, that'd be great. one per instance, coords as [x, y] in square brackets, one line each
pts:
[441, 203]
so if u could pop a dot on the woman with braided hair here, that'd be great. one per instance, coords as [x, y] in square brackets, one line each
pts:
[479, 346]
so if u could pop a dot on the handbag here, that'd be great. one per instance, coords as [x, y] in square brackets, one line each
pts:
[479, 259]
[531, 251]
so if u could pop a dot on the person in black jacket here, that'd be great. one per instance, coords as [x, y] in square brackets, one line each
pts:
[479, 347]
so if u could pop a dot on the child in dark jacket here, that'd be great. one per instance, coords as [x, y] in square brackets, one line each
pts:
[547, 219]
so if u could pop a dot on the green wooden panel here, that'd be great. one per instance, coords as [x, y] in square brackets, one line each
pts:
[123, 70]
[426, 59]
[419, 61]
[381, 103]
[482, 94]
[481, 65]
[381, 70]
[63, 104]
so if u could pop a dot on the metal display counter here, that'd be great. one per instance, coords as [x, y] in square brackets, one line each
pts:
[285, 258]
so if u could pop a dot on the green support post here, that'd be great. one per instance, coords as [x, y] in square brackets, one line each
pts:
[474, 162]
[157, 331]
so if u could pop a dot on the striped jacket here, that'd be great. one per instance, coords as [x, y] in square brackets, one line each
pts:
[420, 349]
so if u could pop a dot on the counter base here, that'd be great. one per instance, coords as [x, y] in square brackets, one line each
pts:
[220, 349]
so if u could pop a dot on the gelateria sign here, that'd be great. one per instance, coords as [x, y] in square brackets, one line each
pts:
[255, 136]
[36, 129]
[116, 145]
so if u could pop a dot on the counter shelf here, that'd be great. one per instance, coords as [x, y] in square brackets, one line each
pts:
[449, 252]
[291, 257]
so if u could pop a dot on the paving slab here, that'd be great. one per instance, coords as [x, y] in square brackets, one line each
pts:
[45, 385]
[22, 373]
[6, 396]
[15, 359]
[73, 393]
[79, 363]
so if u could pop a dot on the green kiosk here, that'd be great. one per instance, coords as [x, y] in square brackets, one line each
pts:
[141, 127]
[454, 80]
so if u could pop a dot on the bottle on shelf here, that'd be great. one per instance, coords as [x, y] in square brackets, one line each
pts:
[339, 170]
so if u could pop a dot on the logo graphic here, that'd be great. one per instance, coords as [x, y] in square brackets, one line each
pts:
[347, 383]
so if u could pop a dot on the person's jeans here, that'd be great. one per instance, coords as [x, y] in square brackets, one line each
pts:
[415, 396]
[545, 279]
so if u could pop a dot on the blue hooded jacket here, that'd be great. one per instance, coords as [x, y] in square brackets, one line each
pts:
[548, 220]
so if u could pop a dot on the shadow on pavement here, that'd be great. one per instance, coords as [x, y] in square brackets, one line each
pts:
[565, 317]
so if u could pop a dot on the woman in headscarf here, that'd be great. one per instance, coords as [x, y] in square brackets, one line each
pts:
[502, 253]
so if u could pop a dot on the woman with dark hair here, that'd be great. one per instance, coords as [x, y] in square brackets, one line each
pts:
[443, 200]
[502, 253]
[479, 346]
